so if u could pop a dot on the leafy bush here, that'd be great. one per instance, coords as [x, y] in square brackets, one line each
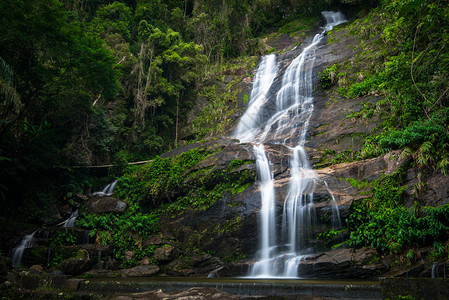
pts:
[385, 224]
[159, 180]
[125, 232]
[359, 89]
[329, 76]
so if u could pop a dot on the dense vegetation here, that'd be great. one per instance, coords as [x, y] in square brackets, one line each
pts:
[404, 59]
[99, 81]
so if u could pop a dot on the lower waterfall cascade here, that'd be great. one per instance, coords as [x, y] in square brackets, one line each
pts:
[282, 249]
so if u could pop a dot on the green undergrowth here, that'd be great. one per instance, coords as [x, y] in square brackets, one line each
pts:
[220, 95]
[159, 181]
[383, 222]
[124, 232]
[165, 187]
[297, 23]
[404, 63]
[58, 240]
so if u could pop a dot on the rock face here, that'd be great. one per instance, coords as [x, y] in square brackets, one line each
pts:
[105, 204]
[342, 263]
[196, 293]
[166, 253]
[74, 266]
[197, 265]
[140, 271]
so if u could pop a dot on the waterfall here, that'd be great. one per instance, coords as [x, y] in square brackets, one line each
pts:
[251, 120]
[267, 232]
[70, 222]
[107, 190]
[287, 123]
[17, 252]
[435, 270]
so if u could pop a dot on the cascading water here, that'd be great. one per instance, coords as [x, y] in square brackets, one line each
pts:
[70, 222]
[250, 122]
[279, 256]
[107, 190]
[17, 252]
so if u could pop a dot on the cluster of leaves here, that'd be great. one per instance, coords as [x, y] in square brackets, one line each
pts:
[329, 76]
[163, 187]
[382, 221]
[170, 185]
[210, 188]
[58, 240]
[413, 79]
[158, 181]
[426, 141]
[124, 232]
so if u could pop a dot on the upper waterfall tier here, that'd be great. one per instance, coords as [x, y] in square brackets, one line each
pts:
[280, 113]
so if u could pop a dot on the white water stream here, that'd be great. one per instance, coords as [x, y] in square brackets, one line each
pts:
[17, 252]
[281, 252]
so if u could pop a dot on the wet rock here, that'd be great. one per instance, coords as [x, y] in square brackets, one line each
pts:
[140, 271]
[33, 279]
[434, 193]
[178, 267]
[129, 255]
[233, 269]
[196, 293]
[53, 215]
[166, 253]
[342, 263]
[105, 204]
[153, 240]
[37, 267]
[74, 266]
[104, 273]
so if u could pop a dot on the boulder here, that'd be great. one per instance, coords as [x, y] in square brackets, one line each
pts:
[105, 204]
[198, 265]
[129, 255]
[166, 253]
[74, 266]
[342, 263]
[140, 271]
[196, 293]
[103, 273]
[153, 240]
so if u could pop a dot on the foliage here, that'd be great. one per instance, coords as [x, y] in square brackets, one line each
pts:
[382, 221]
[329, 76]
[159, 180]
[172, 185]
[124, 232]
[58, 240]
[359, 89]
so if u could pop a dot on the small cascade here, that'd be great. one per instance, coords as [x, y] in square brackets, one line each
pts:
[336, 219]
[286, 124]
[107, 190]
[48, 257]
[86, 237]
[70, 222]
[17, 252]
[435, 270]
[99, 261]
